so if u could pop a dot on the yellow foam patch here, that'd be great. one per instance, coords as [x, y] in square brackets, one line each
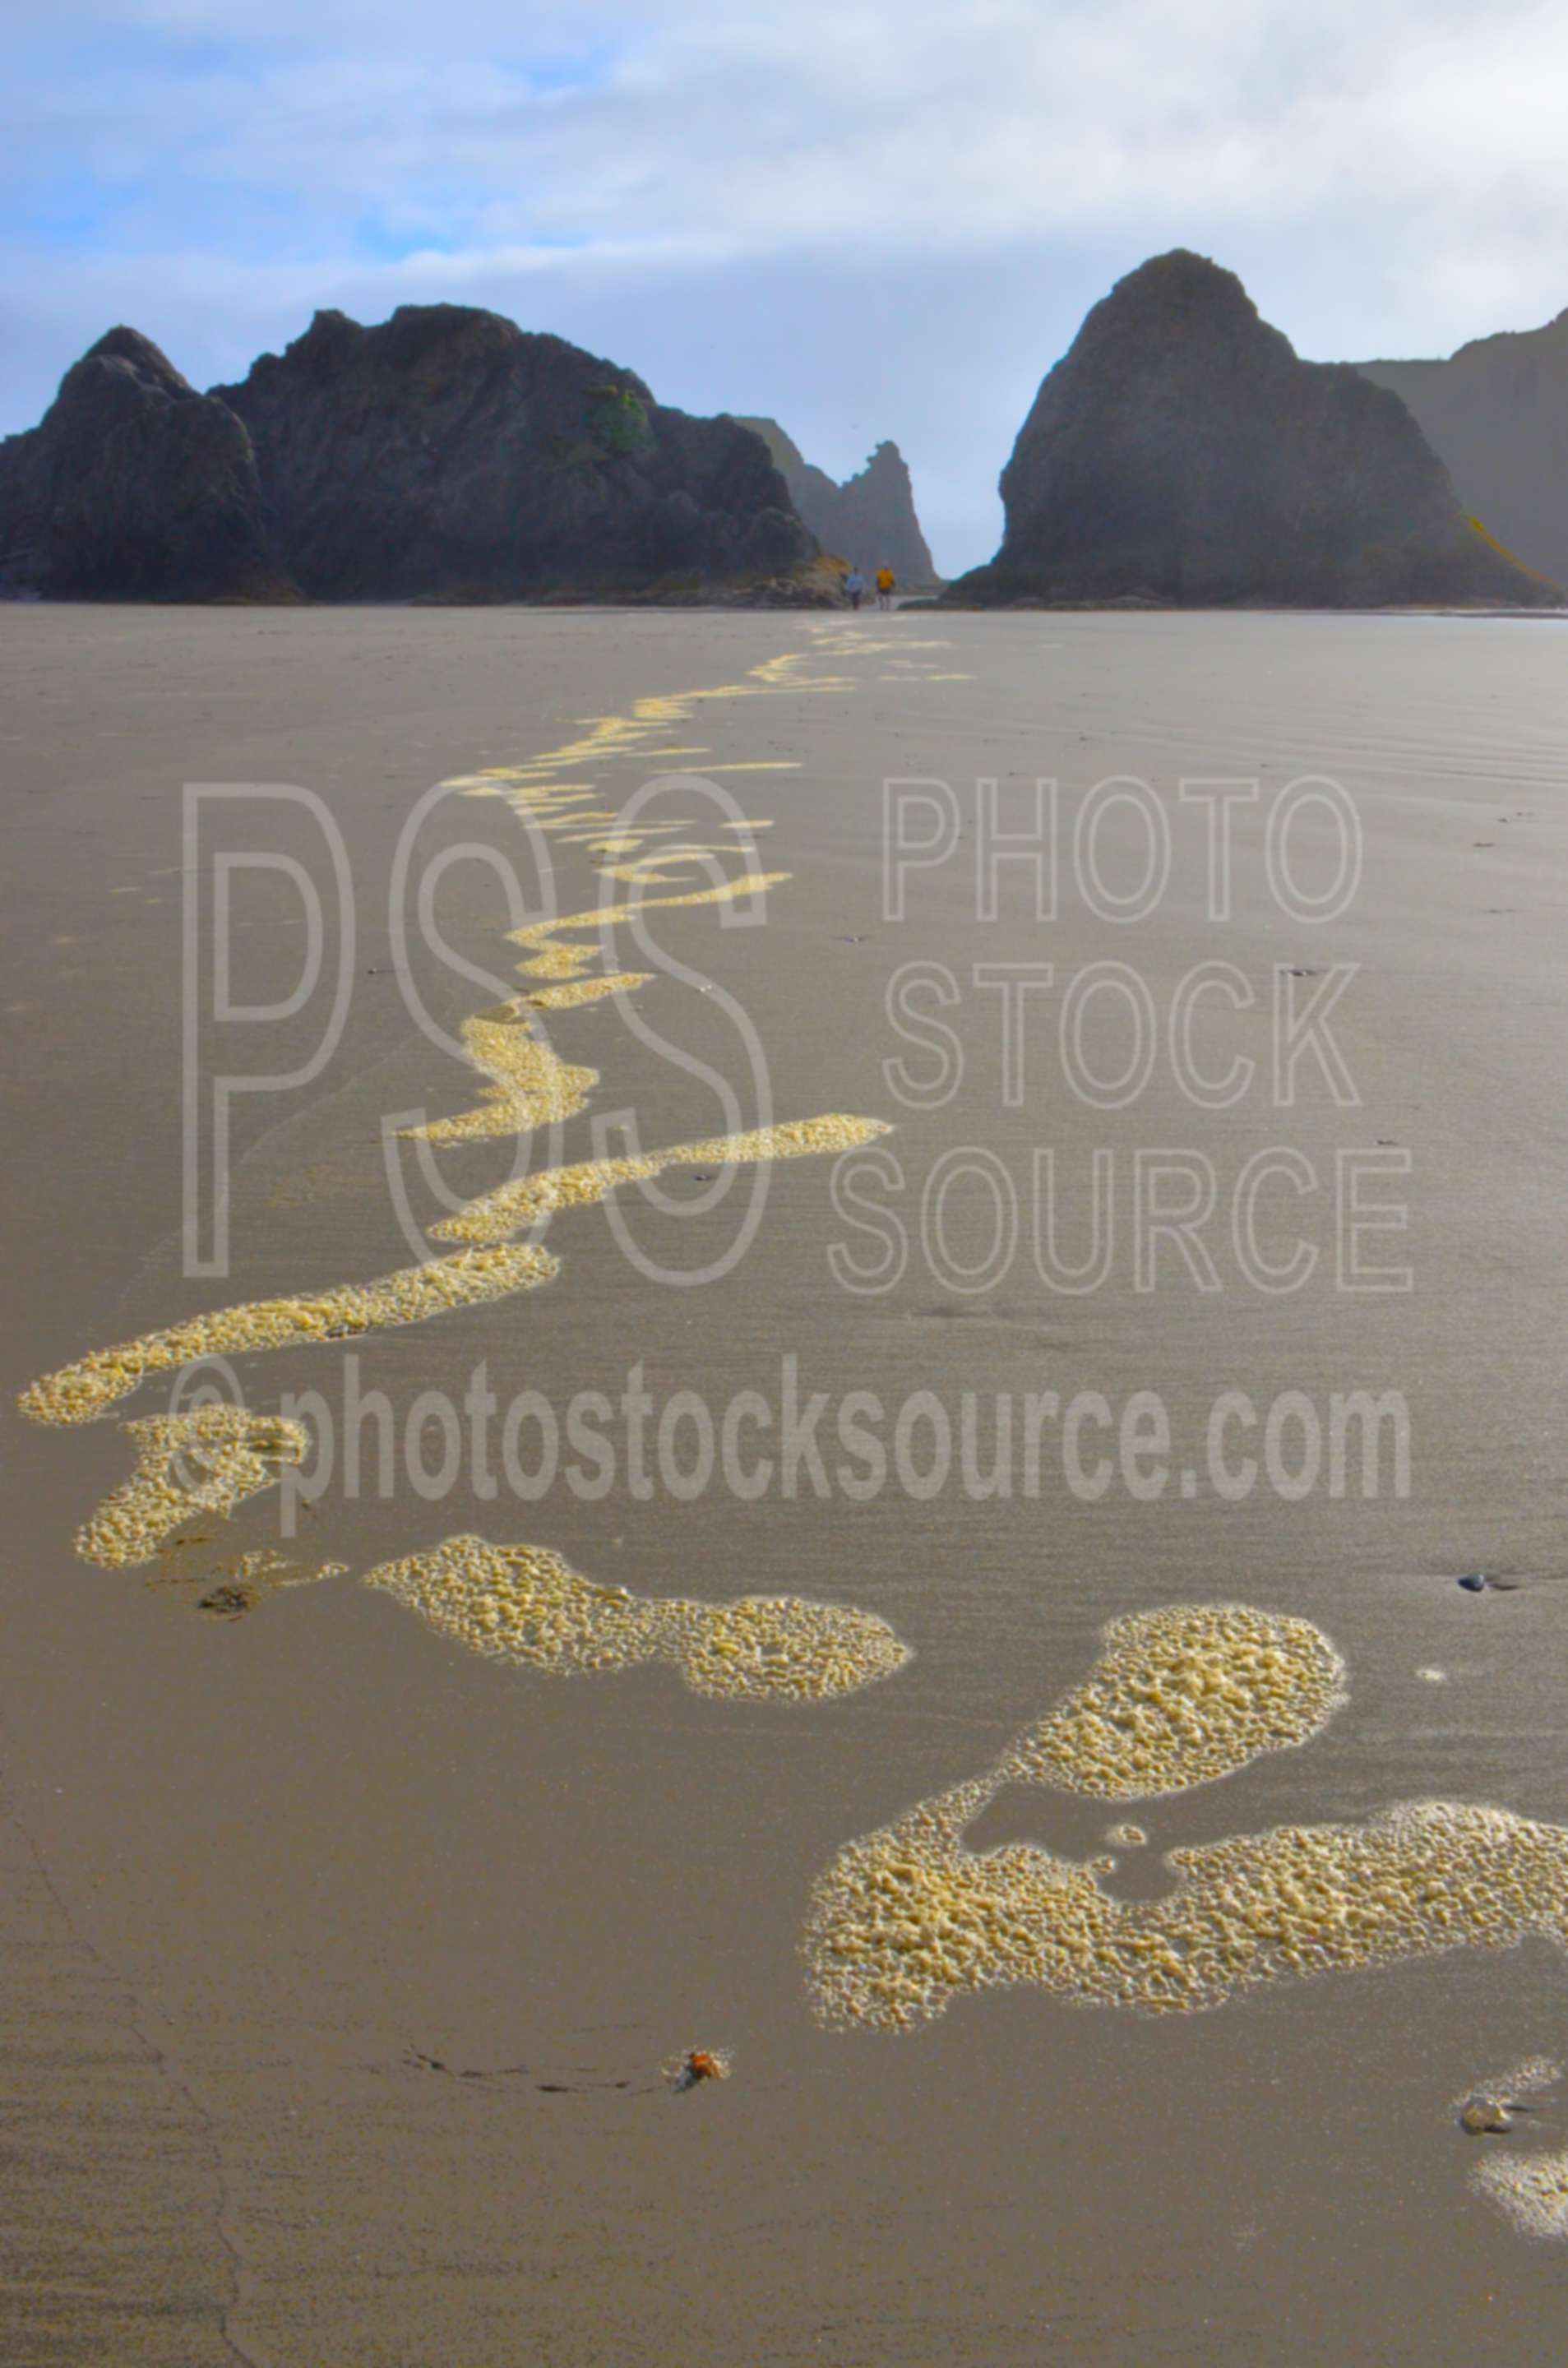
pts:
[526, 1605]
[587, 990]
[621, 842]
[548, 960]
[208, 1461]
[1180, 1697]
[608, 737]
[650, 869]
[907, 1918]
[84, 1390]
[525, 1200]
[530, 1083]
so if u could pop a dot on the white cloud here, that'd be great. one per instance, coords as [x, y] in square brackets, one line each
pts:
[872, 216]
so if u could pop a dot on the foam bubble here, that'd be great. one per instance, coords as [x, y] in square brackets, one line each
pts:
[1182, 1696]
[907, 1918]
[212, 1459]
[84, 1390]
[525, 1200]
[531, 1086]
[546, 959]
[577, 991]
[526, 1605]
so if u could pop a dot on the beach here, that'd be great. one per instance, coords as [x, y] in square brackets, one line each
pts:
[345, 1963]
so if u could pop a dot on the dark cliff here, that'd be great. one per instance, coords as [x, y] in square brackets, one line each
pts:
[448, 452]
[1181, 451]
[1497, 415]
[134, 487]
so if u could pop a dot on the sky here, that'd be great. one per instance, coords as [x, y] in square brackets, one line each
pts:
[867, 218]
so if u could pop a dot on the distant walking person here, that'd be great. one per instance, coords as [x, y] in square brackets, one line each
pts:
[855, 585]
[886, 582]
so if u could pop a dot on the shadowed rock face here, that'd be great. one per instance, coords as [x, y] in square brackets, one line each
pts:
[1497, 415]
[134, 487]
[448, 453]
[1181, 450]
[869, 520]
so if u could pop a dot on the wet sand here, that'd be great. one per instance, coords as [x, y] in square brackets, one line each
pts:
[342, 1960]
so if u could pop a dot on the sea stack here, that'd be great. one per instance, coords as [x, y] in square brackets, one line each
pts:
[869, 519]
[1182, 453]
[448, 453]
[134, 487]
[1497, 415]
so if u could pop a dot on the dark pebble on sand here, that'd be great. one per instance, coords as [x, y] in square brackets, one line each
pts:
[230, 1602]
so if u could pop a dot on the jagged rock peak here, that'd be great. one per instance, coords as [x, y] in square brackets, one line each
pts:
[871, 519]
[149, 361]
[1181, 452]
[134, 487]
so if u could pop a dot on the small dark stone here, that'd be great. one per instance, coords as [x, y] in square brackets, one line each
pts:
[1484, 2117]
[1474, 1582]
[229, 1602]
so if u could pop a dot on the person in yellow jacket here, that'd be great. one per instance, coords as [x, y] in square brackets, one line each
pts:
[886, 581]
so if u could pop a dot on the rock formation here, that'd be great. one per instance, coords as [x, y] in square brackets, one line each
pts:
[448, 453]
[1497, 415]
[134, 487]
[869, 520]
[1181, 452]
[444, 455]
